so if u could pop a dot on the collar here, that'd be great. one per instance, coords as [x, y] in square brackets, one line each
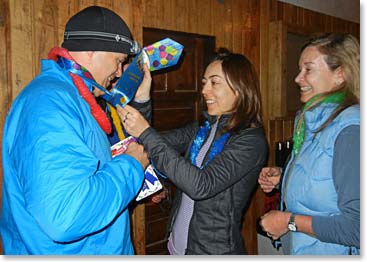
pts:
[317, 116]
[212, 119]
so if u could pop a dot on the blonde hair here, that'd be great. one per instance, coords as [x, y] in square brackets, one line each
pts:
[341, 50]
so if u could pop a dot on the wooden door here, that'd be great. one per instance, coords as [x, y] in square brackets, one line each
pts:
[176, 91]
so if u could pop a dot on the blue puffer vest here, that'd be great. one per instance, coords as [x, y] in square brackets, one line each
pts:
[308, 182]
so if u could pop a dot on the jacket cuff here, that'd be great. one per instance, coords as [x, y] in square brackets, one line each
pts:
[138, 104]
[145, 135]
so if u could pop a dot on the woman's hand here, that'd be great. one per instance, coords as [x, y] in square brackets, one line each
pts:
[275, 223]
[269, 178]
[143, 92]
[133, 122]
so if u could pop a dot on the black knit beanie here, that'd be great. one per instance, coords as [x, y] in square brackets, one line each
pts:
[97, 28]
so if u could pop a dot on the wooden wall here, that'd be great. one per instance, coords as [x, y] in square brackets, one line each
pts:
[29, 28]
[234, 23]
[310, 21]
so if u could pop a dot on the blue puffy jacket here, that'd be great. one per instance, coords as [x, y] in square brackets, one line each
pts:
[62, 191]
[309, 188]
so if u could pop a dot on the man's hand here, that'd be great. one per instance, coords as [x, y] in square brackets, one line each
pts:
[143, 92]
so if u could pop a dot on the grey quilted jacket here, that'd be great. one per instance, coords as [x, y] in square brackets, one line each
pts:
[221, 190]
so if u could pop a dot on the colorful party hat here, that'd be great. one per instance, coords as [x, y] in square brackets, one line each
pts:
[162, 54]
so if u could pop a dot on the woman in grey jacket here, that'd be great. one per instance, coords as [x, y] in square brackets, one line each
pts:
[218, 174]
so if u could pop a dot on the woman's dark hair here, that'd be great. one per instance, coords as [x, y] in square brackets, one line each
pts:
[241, 77]
[340, 51]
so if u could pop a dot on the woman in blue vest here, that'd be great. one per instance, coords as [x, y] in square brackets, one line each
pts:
[224, 155]
[320, 199]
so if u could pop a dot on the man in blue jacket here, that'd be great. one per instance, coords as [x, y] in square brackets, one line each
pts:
[62, 191]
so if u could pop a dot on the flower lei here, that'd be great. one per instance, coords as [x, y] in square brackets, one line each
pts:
[299, 132]
[216, 147]
[79, 75]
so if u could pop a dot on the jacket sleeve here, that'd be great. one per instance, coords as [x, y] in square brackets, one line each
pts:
[145, 108]
[242, 154]
[72, 187]
[344, 228]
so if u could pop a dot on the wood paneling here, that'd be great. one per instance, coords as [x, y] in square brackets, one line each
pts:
[303, 20]
[277, 69]
[5, 78]
[234, 23]
[22, 51]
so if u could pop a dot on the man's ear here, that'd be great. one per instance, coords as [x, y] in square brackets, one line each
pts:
[91, 60]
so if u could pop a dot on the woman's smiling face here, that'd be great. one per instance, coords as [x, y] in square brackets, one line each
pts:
[315, 77]
[218, 95]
